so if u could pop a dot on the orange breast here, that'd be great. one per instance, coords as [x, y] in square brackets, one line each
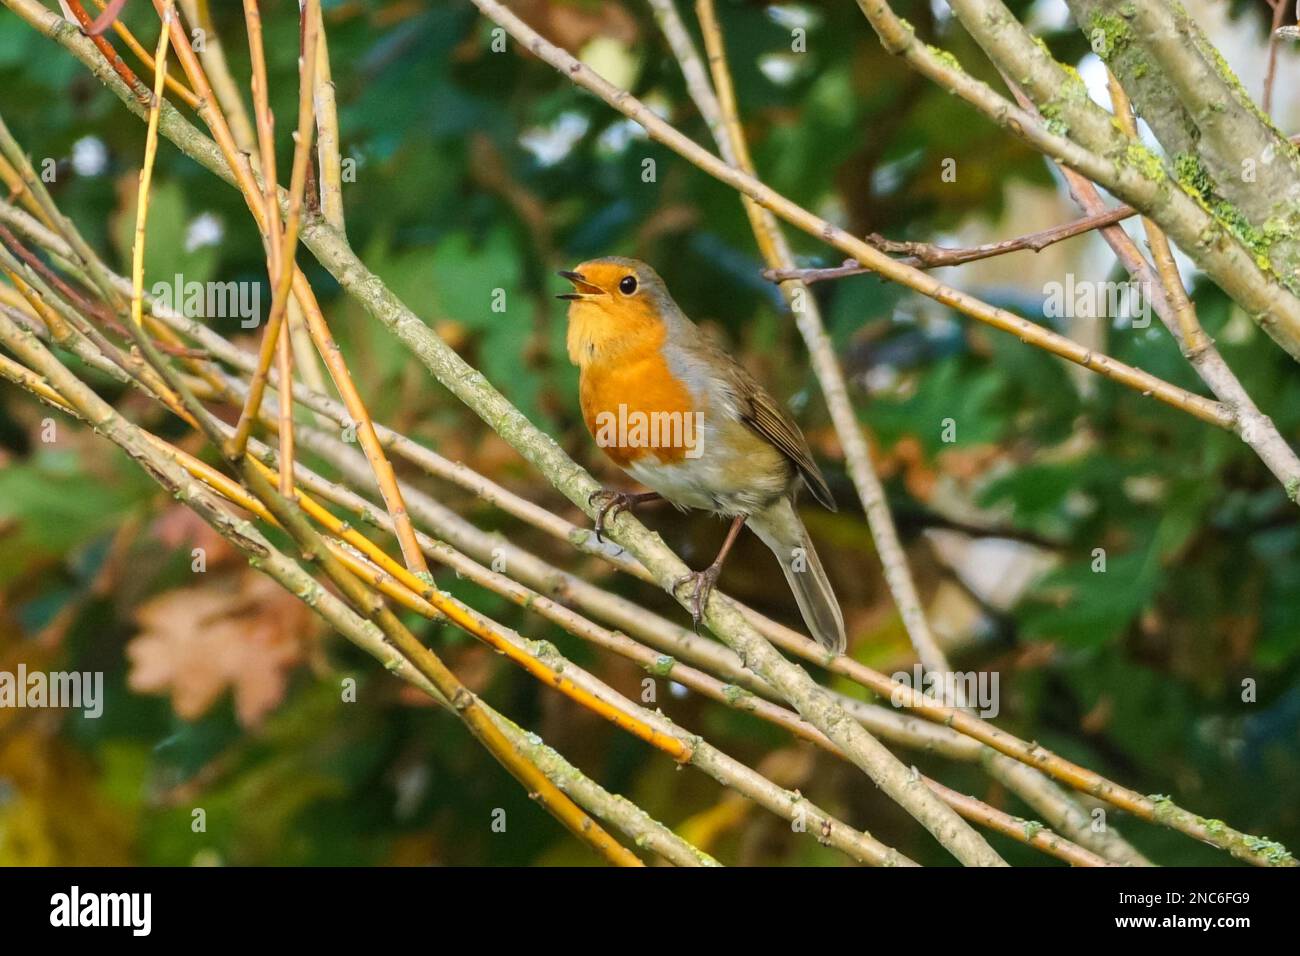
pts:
[635, 406]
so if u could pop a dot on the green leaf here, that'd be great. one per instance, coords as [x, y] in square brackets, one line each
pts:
[478, 285]
[1095, 606]
[950, 396]
[57, 506]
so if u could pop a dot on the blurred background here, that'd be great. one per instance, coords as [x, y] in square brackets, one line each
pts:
[476, 169]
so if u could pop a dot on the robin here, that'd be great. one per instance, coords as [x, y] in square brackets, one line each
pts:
[683, 418]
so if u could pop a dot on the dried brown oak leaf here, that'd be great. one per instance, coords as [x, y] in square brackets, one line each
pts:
[237, 631]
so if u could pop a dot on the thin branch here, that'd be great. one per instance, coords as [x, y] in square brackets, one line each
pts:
[1028, 832]
[1193, 340]
[34, 189]
[272, 230]
[1279, 14]
[40, 327]
[616, 810]
[217, 69]
[924, 255]
[305, 359]
[18, 189]
[76, 300]
[141, 54]
[146, 168]
[386, 478]
[327, 131]
[281, 243]
[307, 63]
[133, 82]
[68, 325]
[107, 18]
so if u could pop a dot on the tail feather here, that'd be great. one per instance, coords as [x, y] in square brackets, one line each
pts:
[781, 530]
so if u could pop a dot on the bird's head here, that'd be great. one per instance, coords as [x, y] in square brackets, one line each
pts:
[616, 304]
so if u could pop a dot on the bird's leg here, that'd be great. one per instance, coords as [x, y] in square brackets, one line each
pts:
[610, 503]
[702, 582]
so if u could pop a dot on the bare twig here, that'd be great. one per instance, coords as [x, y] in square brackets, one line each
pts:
[1194, 340]
[281, 243]
[107, 18]
[1279, 14]
[1028, 832]
[67, 325]
[217, 70]
[141, 54]
[924, 255]
[327, 131]
[133, 82]
[146, 168]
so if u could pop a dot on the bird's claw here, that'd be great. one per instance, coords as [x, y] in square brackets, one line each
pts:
[610, 504]
[702, 584]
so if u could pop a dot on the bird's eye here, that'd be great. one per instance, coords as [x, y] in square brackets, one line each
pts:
[627, 285]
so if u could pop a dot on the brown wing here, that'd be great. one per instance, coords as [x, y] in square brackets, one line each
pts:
[767, 418]
[761, 412]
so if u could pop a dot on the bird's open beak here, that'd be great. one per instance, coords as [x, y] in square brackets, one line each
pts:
[582, 287]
